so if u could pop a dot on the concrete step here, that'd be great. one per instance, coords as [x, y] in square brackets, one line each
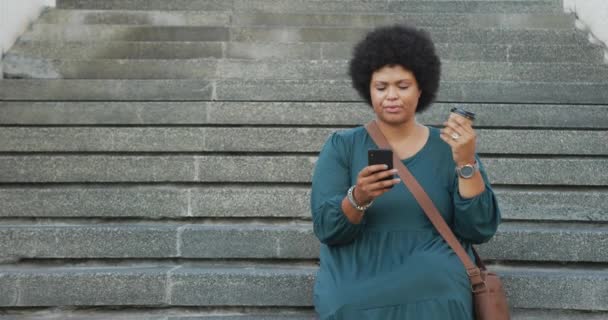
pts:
[276, 314]
[206, 18]
[17, 66]
[546, 242]
[519, 284]
[259, 285]
[524, 116]
[340, 6]
[307, 50]
[290, 90]
[150, 285]
[53, 32]
[265, 169]
[173, 313]
[514, 241]
[135, 50]
[531, 314]
[480, 52]
[106, 90]
[428, 20]
[199, 5]
[258, 202]
[465, 91]
[274, 140]
[156, 18]
[281, 6]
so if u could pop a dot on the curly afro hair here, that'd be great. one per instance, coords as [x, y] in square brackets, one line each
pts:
[402, 45]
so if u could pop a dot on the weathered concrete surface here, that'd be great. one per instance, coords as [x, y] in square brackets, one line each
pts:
[24, 66]
[291, 90]
[73, 286]
[265, 169]
[151, 202]
[543, 53]
[288, 114]
[284, 6]
[275, 140]
[537, 288]
[53, 32]
[514, 241]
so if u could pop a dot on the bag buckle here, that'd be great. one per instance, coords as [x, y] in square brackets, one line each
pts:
[479, 288]
[475, 273]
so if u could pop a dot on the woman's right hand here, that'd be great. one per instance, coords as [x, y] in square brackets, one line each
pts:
[369, 184]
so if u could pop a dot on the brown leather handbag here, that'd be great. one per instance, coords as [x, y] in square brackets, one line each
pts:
[488, 294]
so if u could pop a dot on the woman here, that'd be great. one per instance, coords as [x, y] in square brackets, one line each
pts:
[385, 260]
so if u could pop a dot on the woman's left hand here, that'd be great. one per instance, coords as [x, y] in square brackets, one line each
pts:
[459, 134]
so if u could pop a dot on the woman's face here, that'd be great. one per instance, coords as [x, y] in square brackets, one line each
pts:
[394, 92]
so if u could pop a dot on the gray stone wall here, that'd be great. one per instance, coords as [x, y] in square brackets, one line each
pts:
[156, 156]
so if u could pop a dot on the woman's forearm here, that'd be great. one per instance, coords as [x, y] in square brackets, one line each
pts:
[354, 216]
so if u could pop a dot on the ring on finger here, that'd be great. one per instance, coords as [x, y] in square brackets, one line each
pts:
[455, 136]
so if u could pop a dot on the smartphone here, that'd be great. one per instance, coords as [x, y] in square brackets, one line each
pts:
[381, 156]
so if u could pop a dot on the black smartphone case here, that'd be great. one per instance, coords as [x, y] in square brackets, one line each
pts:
[381, 156]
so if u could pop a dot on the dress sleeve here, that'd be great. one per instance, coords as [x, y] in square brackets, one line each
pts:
[330, 182]
[476, 219]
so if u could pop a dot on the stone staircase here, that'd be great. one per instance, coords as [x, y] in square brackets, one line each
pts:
[156, 156]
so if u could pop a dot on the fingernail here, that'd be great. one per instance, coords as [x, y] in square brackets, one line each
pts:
[394, 171]
[385, 166]
[397, 180]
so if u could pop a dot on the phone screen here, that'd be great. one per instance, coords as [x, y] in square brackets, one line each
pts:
[381, 156]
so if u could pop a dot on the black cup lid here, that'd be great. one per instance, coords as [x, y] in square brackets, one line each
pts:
[464, 113]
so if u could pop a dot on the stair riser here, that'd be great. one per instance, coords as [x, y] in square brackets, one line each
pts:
[286, 169]
[275, 140]
[196, 286]
[53, 33]
[260, 202]
[202, 18]
[289, 314]
[25, 67]
[282, 6]
[312, 51]
[287, 114]
[289, 90]
[542, 243]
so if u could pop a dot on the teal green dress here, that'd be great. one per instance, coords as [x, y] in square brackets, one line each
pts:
[394, 265]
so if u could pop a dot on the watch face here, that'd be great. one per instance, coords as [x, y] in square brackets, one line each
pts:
[467, 171]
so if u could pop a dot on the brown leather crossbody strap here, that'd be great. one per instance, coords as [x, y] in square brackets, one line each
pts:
[427, 205]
